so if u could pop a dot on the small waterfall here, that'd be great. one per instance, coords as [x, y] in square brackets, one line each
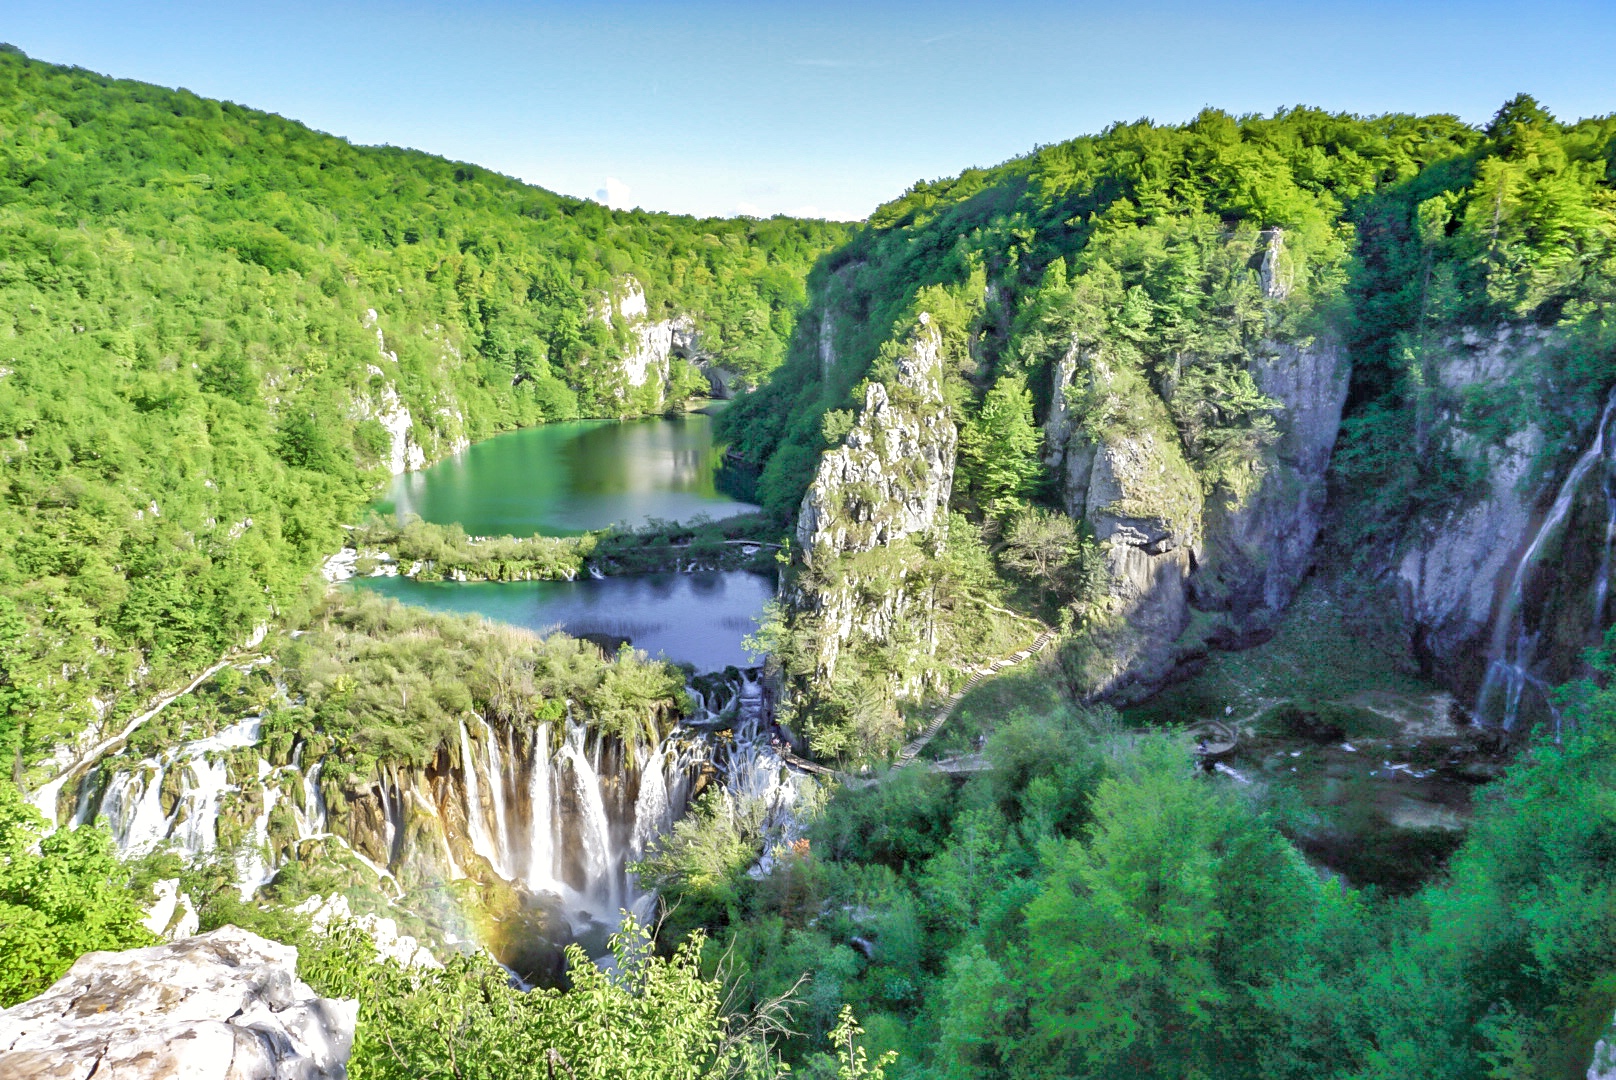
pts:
[313, 819]
[594, 828]
[496, 789]
[652, 814]
[543, 814]
[1511, 683]
[133, 802]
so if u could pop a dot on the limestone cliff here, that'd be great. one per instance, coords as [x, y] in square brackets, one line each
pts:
[888, 483]
[1122, 469]
[1503, 591]
[1124, 474]
[654, 343]
[1259, 548]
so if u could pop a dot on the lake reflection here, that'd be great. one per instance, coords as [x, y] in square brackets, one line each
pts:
[563, 479]
[697, 619]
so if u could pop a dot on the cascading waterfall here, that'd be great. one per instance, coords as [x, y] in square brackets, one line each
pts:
[556, 810]
[133, 802]
[566, 816]
[1513, 685]
[496, 789]
[542, 806]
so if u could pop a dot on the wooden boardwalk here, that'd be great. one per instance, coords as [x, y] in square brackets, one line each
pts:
[911, 751]
[915, 746]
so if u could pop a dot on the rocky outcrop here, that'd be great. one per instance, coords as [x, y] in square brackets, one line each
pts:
[1259, 548]
[226, 1004]
[1276, 272]
[889, 482]
[893, 474]
[1453, 566]
[409, 447]
[655, 341]
[1124, 473]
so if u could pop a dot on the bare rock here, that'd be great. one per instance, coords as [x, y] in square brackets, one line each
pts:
[889, 481]
[225, 1005]
[1258, 549]
[893, 474]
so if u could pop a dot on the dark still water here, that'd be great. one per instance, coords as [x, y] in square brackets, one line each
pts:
[563, 479]
[696, 618]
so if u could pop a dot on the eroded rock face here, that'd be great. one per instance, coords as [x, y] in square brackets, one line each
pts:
[1453, 566]
[1166, 546]
[888, 482]
[893, 474]
[1259, 549]
[656, 342]
[1130, 482]
[226, 1004]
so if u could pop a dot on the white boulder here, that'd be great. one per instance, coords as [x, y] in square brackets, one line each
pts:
[225, 1005]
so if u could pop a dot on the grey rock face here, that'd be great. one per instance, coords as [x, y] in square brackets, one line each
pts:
[1166, 547]
[656, 342]
[1131, 483]
[889, 480]
[1258, 551]
[894, 472]
[1452, 567]
[225, 1005]
[1144, 506]
[1276, 271]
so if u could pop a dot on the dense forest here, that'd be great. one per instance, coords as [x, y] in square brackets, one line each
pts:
[1085, 907]
[211, 312]
[1143, 239]
[210, 309]
[1161, 266]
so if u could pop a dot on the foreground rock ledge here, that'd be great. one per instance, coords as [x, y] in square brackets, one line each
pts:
[224, 1004]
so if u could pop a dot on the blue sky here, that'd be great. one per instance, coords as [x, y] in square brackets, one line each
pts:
[815, 108]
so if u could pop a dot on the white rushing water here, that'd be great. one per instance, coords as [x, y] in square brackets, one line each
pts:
[554, 809]
[1514, 648]
[196, 775]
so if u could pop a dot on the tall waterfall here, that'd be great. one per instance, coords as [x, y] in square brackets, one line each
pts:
[1558, 597]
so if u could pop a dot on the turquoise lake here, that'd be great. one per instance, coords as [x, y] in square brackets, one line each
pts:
[562, 479]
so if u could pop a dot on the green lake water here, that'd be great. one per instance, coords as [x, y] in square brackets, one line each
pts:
[562, 479]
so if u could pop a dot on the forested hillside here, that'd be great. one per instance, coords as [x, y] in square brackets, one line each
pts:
[221, 329]
[1152, 332]
[1178, 357]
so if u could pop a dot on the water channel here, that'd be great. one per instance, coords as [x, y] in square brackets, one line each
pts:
[562, 479]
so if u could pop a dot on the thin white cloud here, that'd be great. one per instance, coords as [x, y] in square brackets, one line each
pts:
[614, 194]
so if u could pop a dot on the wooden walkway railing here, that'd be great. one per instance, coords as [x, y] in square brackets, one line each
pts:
[915, 746]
